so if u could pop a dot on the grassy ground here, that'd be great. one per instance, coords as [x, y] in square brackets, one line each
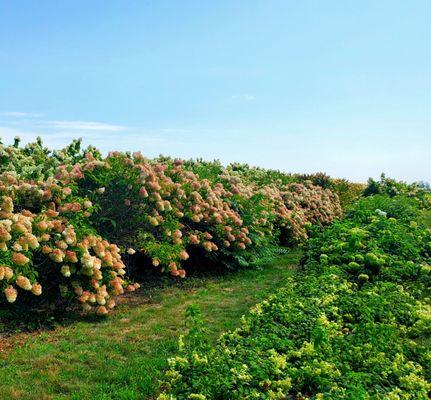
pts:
[121, 357]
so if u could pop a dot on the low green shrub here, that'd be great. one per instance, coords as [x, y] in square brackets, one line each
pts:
[353, 324]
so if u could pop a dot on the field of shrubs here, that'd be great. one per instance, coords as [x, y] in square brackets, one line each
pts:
[79, 229]
[354, 322]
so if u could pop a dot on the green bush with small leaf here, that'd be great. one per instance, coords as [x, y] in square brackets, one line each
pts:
[354, 323]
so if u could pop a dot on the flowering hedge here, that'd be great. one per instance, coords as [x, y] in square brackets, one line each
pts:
[43, 234]
[354, 323]
[68, 216]
[164, 208]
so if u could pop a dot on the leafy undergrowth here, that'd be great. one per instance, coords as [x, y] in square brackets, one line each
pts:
[121, 357]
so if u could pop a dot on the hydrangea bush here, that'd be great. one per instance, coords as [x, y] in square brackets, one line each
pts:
[68, 216]
[44, 237]
[165, 208]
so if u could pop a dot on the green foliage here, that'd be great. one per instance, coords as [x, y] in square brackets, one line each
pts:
[392, 187]
[348, 192]
[352, 324]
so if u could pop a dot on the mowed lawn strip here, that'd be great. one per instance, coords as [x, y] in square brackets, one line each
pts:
[122, 356]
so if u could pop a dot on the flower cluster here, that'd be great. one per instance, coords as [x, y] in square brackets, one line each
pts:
[88, 268]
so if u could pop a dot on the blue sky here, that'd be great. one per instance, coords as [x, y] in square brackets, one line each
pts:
[301, 86]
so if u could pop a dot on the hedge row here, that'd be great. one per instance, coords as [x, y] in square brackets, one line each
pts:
[69, 217]
[354, 323]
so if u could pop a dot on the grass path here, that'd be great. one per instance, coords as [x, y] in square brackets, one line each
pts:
[121, 357]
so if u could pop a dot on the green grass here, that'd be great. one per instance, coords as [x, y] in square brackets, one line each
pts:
[122, 356]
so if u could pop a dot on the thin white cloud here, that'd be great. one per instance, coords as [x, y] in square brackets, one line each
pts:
[243, 97]
[174, 130]
[150, 142]
[83, 126]
[19, 117]
[55, 140]
[20, 114]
